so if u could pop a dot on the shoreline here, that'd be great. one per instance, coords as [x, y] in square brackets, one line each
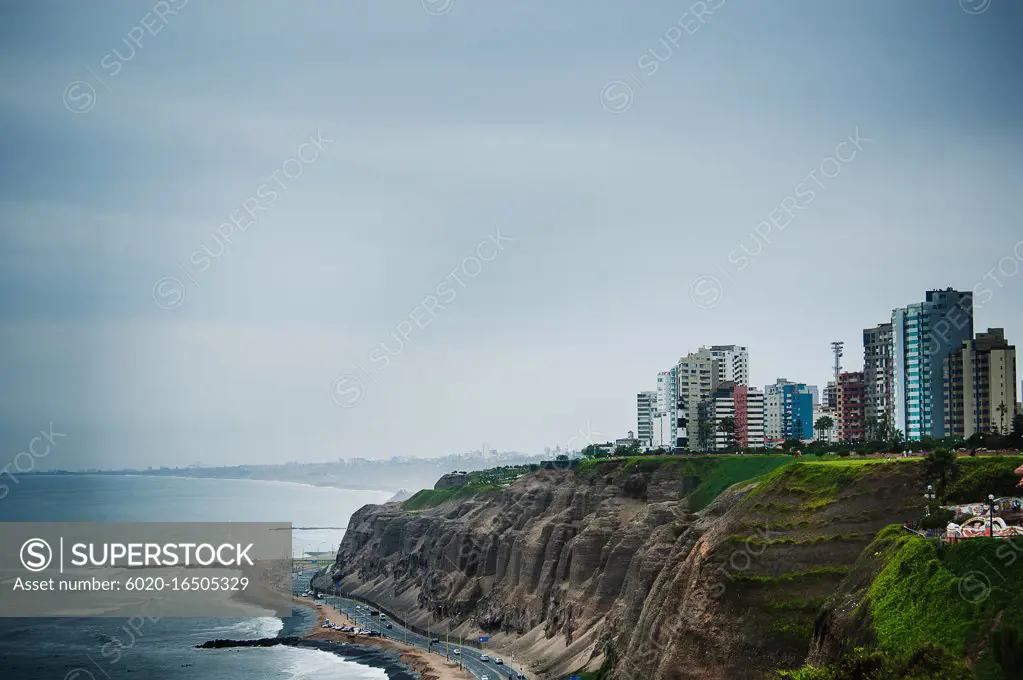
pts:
[423, 664]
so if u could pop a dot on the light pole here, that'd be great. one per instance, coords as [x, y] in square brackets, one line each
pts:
[991, 515]
[930, 496]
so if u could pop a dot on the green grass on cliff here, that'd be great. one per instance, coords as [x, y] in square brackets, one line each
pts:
[813, 485]
[983, 475]
[733, 470]
[709, 475]
[481, 481]
[949, 596]
[933, 602]
[428, 498]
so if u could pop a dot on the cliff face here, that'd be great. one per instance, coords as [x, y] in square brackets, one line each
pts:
[617, 564]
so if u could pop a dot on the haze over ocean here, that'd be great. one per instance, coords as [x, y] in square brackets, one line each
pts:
[106, 648]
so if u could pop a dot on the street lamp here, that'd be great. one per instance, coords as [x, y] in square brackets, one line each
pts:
[930, 496]
[991, 516]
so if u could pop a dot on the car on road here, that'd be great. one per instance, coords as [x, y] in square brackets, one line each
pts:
[498, 662]
[388, 626]
[456, 652]
[484, 677]
[435, 641]
[484, 658]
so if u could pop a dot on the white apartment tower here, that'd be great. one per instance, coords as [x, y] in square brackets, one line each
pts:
[773, 399]
[646, 412]
[733, 363]
[745, 406]
[695, 376]
[755, 434]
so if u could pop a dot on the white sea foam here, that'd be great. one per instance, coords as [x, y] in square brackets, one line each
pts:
[248, 629]
[314, 664]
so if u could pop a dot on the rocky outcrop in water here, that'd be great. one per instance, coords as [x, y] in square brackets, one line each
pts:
[388, 661]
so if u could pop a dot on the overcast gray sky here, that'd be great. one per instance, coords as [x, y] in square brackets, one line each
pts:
[551, 201]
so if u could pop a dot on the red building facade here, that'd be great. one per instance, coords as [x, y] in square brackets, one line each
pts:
[851, 407]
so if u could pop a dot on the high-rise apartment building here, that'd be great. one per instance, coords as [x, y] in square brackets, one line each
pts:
[773, 410]
[851, 405]
[646, 410]
[829, 434]
[830, 400]
[745, 406]
[667, 386]
[665, 391]
[695, 378]
[980, 385]
[733, 363]
[877, 378]
[720, 408]
[797, 412]
[749, 417]
[923, 335]
[788, 411]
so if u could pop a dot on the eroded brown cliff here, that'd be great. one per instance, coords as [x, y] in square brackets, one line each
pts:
[572, 569]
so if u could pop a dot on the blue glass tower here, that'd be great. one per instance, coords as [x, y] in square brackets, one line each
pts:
[797, 412]
[923, 335]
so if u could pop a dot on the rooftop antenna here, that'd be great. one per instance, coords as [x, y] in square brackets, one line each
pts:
[836, 348]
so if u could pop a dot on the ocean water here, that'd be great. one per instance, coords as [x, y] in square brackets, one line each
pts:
[109, 649]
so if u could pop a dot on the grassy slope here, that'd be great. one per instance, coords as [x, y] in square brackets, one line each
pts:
[981, 476]
[710, 476]
[927, 594]
[950, 596]
[479, 482]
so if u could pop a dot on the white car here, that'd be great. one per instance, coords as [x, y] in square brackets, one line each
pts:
[456, 652]
[484, 658]
[498, 662]
[485, 677]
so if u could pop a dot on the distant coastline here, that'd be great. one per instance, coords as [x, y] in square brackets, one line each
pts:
[336, 484]
[393, 476]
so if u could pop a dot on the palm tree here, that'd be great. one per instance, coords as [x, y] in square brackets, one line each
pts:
[870, 427]
[884, 430]
[1002, 408]
[943, 466]
[726, 426]
[823, 424]
[895, 441]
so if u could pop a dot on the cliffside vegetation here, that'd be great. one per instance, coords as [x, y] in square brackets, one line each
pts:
[932, 611]
[479, 482]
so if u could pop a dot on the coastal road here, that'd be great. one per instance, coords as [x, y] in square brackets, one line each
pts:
[470, 656]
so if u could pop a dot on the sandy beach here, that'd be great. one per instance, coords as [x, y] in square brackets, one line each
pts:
[429, 666]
